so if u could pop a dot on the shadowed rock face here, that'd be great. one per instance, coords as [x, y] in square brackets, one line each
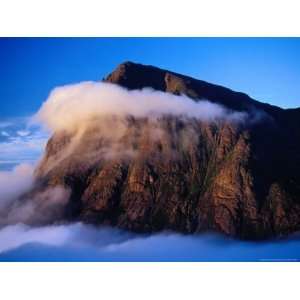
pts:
[183, 174]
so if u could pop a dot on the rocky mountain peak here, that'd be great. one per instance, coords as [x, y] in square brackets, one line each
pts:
[187, 176]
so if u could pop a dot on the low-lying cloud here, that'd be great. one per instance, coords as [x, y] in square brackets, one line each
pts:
[79, 242]
[70, 106]
[14, 183]
[44, 206]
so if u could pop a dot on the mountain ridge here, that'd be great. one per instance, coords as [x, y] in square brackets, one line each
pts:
[160, 74]
[241, 180]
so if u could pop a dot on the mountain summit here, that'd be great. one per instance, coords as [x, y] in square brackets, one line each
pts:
[180, 173]
[136, 76]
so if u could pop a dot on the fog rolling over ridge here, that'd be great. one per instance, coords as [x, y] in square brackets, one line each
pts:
[103, 120]
[148, 150]
[71, 107]
[105, 114]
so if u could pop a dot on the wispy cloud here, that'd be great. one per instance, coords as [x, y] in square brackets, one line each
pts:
[4, 133]
[23, 132]
[79, 242]
[20, 142]
[13, 183]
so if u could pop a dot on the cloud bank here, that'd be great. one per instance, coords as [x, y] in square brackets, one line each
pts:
[70, 106]
[79, 242]
[44, 206]
[103, 120]
[14, 183]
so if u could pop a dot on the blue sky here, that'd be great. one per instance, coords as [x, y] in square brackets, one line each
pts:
[265, 68]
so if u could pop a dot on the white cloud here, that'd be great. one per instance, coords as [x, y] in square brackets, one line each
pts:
[14, 183]
[76, 234]
[44, 206]
[70, 106]
[4, 133]
[21, 142]
[79, 242]
[23, 132]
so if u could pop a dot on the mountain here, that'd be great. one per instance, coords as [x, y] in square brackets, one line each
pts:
[241, 179]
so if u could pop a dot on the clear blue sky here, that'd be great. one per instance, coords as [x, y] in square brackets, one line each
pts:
[268, 69]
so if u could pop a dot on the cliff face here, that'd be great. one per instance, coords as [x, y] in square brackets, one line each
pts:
[179, 174]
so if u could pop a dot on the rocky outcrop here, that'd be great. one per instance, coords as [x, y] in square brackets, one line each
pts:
[183, 175]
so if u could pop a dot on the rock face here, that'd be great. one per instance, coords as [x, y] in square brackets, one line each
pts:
[188, 176]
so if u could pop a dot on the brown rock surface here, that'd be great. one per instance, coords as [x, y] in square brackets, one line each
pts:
[184, 175]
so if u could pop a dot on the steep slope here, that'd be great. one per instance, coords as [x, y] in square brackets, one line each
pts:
[188, 175]
[137, 76]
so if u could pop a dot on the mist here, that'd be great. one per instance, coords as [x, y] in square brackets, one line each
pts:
[70, 106]
[17, 204]
[104, 120]
[79, 242]
[14, 183]
[93, 114]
